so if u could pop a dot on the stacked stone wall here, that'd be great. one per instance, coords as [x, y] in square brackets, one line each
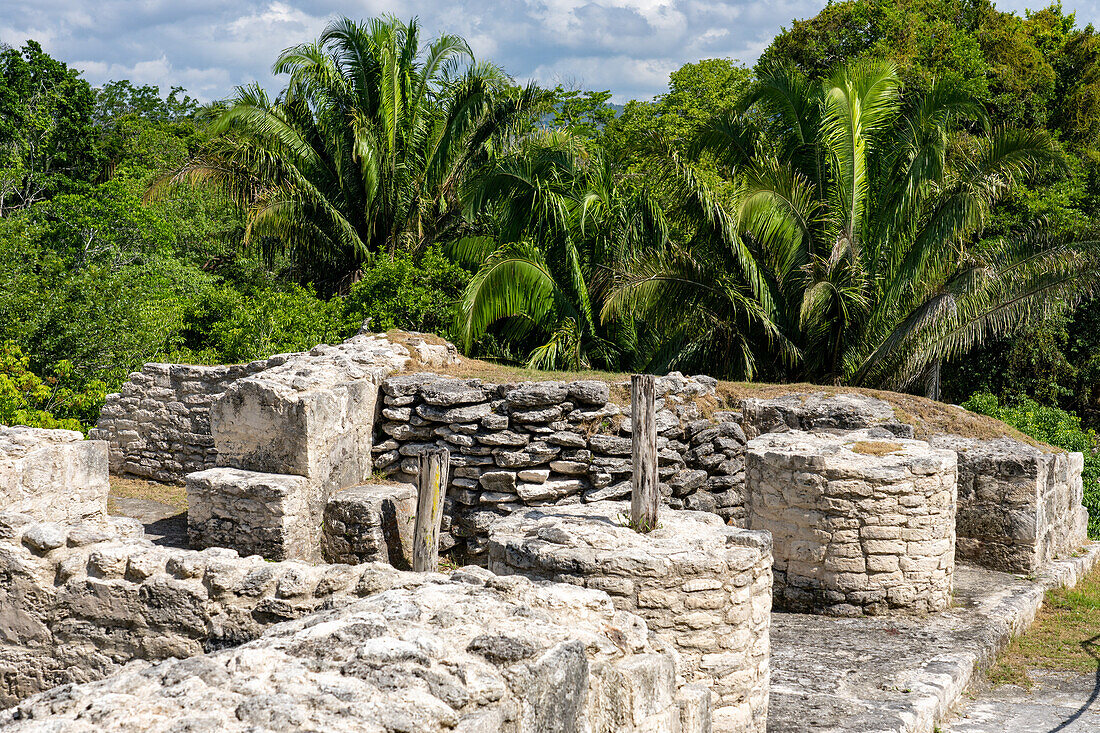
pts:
[371, 523]
[533, 444]
[289, 438]
[158, 425]
[554, 443]
[1019, 505]
[704, 586]
[860, 523]
[79, 600]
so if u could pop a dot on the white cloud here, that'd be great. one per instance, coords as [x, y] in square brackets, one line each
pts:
[209, 46]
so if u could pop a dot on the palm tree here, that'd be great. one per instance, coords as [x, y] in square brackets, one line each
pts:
[365, 148]
[565, 213]
[855, 235]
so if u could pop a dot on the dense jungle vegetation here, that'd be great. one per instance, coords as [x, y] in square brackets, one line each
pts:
[899, 195]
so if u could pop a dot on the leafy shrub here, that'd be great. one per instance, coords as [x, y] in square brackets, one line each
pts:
[408, 292]
[226, 326]
[45, 402]
[1058, 428]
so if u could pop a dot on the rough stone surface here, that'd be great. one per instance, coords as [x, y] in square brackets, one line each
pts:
[1055, 701]
[819, 411]
[861, 524]
[254, 513]
[703, 586]
[903, 674]
[52, 475]
[80, 600]
[370, 523]
[474, 653]
[158, 425]
[1019, 506]
[572, 436]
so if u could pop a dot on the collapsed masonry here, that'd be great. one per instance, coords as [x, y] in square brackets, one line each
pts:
[282, 461]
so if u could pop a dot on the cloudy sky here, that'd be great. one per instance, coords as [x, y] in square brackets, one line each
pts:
[209, 46]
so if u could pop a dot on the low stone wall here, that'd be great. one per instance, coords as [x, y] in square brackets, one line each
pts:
[861, 523]
[542, 443]
[52, 474]
[158, 425]
[704, 586]
[423, 653]
[77, 601]
[1019, 506]
[820, 411]
[554, 443]
[287, 439]
[253, 513]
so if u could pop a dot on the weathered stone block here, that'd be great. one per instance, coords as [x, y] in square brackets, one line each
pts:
[314, 420]
[701, 585]
[1019, 505]
[844, 543]
[52, 475]
[254, 513]
[369, 523]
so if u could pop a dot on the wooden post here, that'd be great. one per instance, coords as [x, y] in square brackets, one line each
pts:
[435, 464]
[645, 494]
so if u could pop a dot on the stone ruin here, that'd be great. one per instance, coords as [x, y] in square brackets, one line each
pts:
[293, 609]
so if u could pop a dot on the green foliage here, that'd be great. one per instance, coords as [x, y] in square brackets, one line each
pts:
[47, 139]
[50, 402]
[697, 92]
[117, 99]
[364, 150]
[847, 253]
[582, 113]
[1056, 427]
[226, 326]
[407, 292]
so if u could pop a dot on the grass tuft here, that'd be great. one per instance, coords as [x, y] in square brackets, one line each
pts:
[1065, 636]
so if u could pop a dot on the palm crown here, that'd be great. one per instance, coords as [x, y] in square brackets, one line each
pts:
[851, 251]
[365, 148]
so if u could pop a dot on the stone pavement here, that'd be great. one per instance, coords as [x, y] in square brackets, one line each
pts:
[901, 674]
[164, 524]
[1058, 702]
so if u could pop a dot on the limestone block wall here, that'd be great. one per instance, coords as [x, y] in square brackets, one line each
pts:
[79, 600]
[420, 652]
[287, 439]
[158, 425]
[861, 523]
[52, 474]
[1019, 506]
[821, 411]
[704, 586]
[540, 443]
[252, 513]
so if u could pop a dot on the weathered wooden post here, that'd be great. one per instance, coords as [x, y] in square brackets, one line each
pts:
[645, 494]
[435, 464]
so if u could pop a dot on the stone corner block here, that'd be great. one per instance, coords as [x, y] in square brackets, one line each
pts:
[53, 475]
[369, 523]
[307, 420]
